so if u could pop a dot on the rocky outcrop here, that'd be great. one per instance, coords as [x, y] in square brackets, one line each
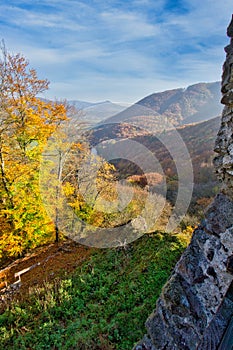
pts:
[196, 304]
[224, 143]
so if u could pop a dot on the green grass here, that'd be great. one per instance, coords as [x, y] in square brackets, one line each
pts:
[103, 305]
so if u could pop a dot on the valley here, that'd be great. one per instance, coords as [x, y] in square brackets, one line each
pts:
[96, 241]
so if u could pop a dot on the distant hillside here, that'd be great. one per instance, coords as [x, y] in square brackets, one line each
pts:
[100, 111]
[199, 139]
[176, 107]
[81, 104]
[96, 112]
[198, 102]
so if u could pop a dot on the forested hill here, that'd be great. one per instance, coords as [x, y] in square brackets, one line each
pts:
[196, 103]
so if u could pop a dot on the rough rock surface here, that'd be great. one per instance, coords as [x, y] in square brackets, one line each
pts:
[196, 304]
[224, 143]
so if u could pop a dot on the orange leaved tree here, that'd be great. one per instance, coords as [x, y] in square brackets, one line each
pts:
[26, 123]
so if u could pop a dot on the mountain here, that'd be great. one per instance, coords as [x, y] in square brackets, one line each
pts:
[197, 103]
[175, 107]
[195, 106]
[81, 104]
[170, 108]
[100, 111]
[95, 112]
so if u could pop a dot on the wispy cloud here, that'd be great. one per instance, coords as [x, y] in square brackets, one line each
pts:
[128, 26]
[36, 19]
[117, 50]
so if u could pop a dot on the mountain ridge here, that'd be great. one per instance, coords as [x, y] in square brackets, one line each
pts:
[197, 102]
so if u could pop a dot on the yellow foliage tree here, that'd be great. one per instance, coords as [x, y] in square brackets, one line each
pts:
[60, 163]
[26, 124]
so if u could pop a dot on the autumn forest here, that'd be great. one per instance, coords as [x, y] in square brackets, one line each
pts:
[58, 195]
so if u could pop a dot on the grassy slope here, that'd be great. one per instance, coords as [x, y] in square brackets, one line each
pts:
[103, 305]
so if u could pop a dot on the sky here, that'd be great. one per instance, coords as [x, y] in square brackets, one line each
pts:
[118, 50]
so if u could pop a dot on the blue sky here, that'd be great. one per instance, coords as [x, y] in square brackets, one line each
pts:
[118, 50]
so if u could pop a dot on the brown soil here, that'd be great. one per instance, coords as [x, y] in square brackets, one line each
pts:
[54, 260]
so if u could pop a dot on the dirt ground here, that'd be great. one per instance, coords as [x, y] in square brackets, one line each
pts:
[46, 263]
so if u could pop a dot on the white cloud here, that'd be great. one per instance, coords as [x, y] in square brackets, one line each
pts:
[115, 49]
[129, 25]
[27, 18]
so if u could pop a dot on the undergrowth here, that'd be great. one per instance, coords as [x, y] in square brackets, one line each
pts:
[103, 305]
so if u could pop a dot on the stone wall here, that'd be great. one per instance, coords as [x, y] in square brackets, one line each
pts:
[224, 142]
[194, 307]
